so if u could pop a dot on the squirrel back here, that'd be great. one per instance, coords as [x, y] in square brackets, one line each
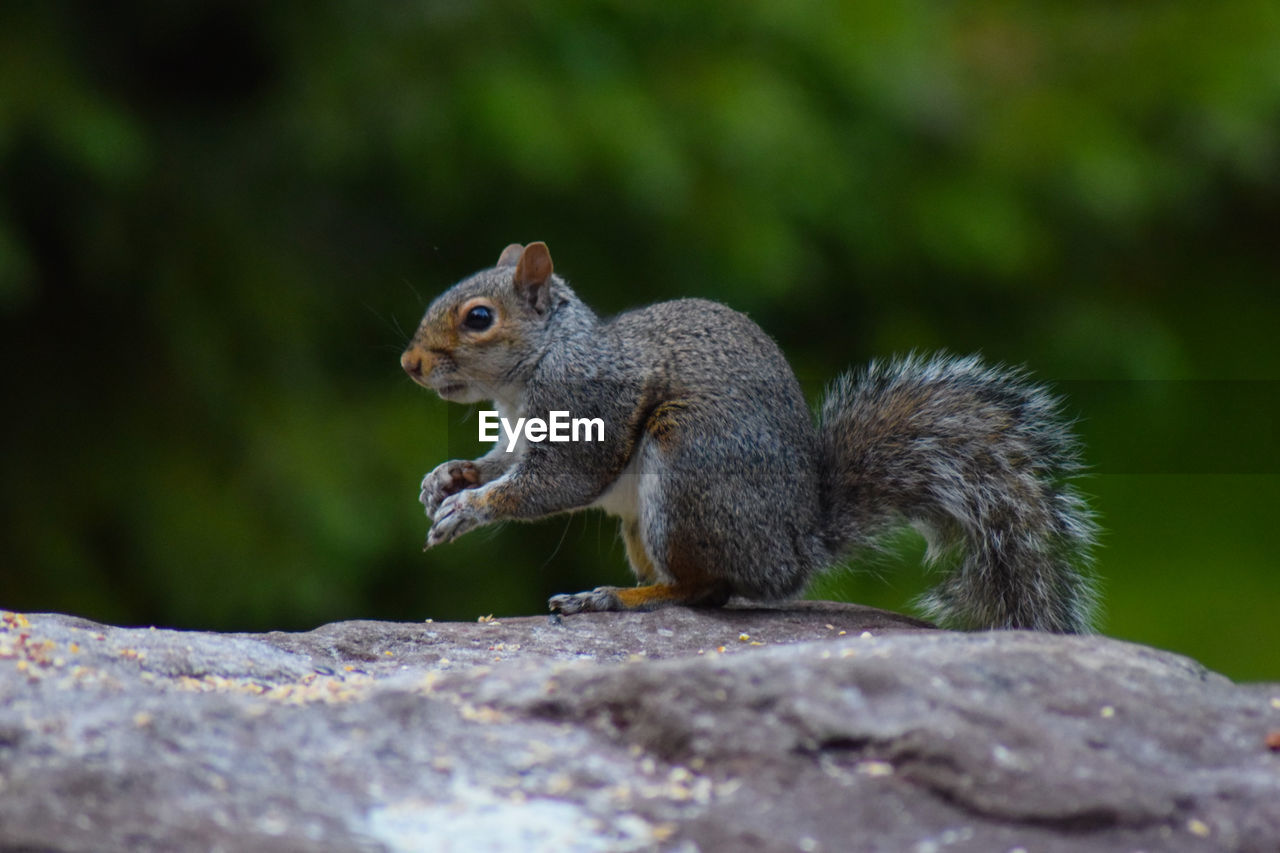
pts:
[723, 483]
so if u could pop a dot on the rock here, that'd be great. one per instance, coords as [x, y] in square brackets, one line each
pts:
[817, 727]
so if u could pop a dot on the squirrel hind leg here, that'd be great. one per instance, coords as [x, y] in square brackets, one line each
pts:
[650, 597]
[637, 555]
[677, 580]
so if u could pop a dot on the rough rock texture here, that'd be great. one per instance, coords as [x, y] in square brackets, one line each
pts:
[817, 727]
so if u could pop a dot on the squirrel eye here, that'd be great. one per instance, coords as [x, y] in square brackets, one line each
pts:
[478, 318]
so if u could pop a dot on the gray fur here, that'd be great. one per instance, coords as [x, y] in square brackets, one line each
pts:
[979, 459]
[712, 458]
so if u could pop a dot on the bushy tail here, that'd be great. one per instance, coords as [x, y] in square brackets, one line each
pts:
[978, 459]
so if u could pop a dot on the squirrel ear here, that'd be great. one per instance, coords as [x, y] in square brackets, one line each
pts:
[510, 256]
[533, 276]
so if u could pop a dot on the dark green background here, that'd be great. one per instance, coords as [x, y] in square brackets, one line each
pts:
[220, 221]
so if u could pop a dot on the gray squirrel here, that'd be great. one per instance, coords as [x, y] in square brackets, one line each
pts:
[723, 484]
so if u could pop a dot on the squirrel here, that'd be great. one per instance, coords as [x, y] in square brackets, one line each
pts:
[723, 483]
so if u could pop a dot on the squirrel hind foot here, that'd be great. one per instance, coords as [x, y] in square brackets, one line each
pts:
[651, 597]
[599, 599]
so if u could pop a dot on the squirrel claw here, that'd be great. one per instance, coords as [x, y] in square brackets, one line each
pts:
[455, 517]
[446, 480]
[599, 599]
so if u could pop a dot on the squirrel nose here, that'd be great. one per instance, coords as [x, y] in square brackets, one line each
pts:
[412, 364]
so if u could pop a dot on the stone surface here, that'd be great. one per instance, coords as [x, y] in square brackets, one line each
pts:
[816, 727]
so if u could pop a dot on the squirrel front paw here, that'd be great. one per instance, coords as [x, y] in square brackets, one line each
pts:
[457, 514]
[600, 598]
[448, 478]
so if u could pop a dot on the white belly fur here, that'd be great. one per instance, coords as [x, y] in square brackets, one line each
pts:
[622, 498]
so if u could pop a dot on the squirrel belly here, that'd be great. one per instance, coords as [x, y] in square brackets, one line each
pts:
[721, 480]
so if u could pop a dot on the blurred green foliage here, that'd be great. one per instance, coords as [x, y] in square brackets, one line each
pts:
[219, 221]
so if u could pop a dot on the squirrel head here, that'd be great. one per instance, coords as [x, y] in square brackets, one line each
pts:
[480, 339]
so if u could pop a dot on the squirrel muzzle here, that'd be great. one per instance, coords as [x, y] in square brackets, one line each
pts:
[418, 365]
